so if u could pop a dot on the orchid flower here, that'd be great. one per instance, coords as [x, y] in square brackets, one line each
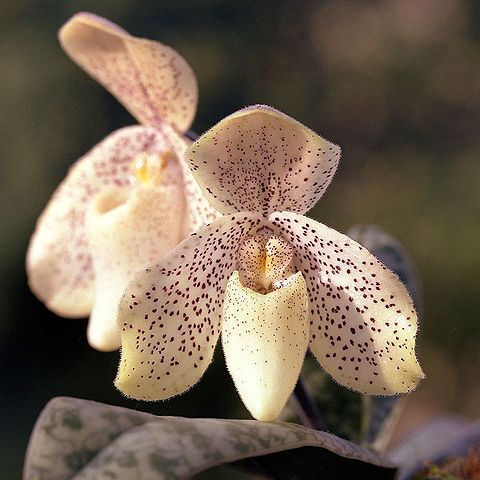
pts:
[132, 198]
[270, 280]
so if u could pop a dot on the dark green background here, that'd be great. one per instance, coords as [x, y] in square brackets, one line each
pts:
[394, 82]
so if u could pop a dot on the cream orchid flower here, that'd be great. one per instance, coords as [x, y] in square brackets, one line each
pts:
[132, 198]
[270, 280]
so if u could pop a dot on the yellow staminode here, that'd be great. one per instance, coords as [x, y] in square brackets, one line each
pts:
[264, 259]
[148, 167]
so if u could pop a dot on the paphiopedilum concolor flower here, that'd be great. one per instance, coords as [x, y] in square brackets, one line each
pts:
[132, 198]
[270, 280]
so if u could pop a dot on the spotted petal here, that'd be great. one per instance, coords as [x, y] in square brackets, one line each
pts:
[199, 211]
[362, 319]
[151, 80]
[265, 338]
[59, 263]
[127, 229]
[170, 314]
[260, 160]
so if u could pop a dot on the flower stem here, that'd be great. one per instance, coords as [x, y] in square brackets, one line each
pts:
[191, 135]
[307, 407]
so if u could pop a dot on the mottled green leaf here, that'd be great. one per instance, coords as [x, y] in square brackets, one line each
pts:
[380, 413]
[116, 443]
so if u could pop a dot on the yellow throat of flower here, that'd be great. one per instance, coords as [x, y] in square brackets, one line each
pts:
[149, 167]
[265, 261]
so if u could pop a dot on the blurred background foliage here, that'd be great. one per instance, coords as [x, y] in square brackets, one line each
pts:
[395, 82]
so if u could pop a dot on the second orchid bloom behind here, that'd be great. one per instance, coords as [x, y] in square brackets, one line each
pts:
[269, 280]
[132, 198]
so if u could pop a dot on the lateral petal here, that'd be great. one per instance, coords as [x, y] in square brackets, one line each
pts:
[152, 81]
[265, 338]
[261, 160]
[170, 314]
[362, 320]
[59, 264]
